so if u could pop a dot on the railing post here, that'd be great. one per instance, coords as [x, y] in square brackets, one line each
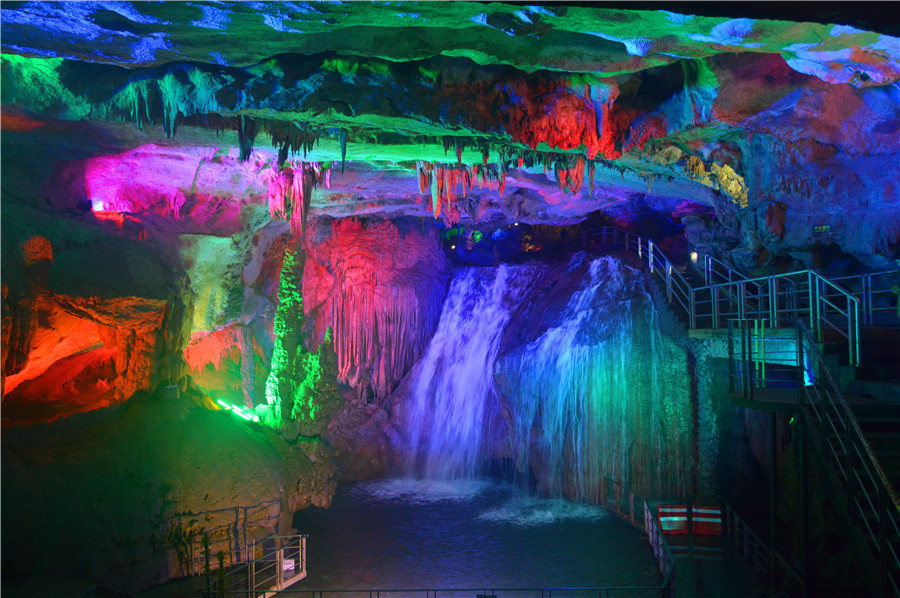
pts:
[251, 578]
[801, 366]
[732, 373]
[693, 310]
[867, 299]
[854, 331]
[714, 300]
[742, 301]
[668, 281]
[773, 301]
[813, 298]
[650, 254]
[302, 554]
[279, 567]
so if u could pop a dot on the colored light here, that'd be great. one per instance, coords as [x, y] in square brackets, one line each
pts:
[694, 256]
[239, 411]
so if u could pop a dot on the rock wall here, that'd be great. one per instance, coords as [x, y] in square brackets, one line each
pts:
[90, 319]
[124, 492]
[379, 285]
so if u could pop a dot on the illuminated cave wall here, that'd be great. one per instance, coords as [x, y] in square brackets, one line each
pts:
[160, 160]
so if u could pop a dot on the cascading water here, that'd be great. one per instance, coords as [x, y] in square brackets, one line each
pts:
[453, 382]
[588, 397]
[588, 384]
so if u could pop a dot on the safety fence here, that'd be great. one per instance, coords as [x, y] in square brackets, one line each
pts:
[870, 498]
[768, 563]
[835, 311]
[762, 357]
[758, 359]
[878, 301]
[617, 498]
[281, 562]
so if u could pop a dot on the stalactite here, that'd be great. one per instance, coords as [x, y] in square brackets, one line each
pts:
[247, 130]
[289, 192]
[382, 300]
[591, 167]
[343, 138]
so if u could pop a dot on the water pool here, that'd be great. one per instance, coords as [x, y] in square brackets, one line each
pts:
[407, 534]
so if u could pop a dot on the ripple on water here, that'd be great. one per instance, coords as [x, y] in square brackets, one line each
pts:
[529, 511]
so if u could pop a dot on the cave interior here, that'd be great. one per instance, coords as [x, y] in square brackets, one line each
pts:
[254, 250]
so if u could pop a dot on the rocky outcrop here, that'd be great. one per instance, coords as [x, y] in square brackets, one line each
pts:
[379, 286]
[126, 504]
[90, 317]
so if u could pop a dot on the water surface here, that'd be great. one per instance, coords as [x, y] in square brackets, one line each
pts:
[406, 534]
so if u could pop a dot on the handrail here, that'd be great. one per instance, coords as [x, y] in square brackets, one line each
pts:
[854, 461]
[751, 545]
[263, 576]
[807, 294]
[710, 270]
[869, 293]
[654, 534]
[676, 286]
[764, 297]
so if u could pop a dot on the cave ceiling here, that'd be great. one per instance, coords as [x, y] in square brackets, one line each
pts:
[543, 113]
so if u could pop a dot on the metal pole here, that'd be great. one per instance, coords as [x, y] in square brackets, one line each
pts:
[668, 281]
[714, 296]
[693, 314]
[804, 512]
[773, 477]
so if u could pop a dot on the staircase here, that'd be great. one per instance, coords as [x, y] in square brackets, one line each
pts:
[787, 333]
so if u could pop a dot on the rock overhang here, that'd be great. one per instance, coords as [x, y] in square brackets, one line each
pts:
[576, 108]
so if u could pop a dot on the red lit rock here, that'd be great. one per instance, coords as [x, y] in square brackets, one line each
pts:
[380, 288]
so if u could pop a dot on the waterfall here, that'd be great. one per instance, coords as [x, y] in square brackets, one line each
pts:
[587, 394]
[585, 382]
[453, 383]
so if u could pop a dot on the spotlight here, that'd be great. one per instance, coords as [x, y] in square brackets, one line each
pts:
[453, 247]
[516, 224]
[694, 256]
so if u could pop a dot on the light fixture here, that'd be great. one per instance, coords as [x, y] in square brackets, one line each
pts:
[453, 247]
[694, 256]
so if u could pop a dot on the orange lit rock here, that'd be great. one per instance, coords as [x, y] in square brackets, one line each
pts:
[37, 248]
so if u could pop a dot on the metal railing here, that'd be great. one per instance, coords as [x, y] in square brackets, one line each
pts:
[715, 272]
[760, 357]
[782, 298]
[282, 563]
[878, 303]
[764, 560]
[870, 497]
[622, 504]
[677, 289]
